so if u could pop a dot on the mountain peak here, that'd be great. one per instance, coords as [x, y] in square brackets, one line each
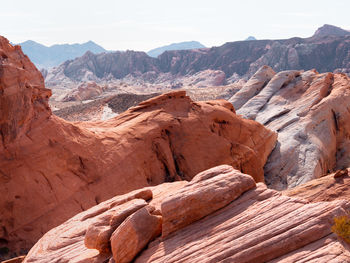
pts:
[330, 30]
[250, 38]
[175, 46]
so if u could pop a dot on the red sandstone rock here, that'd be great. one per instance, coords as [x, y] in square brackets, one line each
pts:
[207, 193]
[23, 97]
[99, 232]
[68, 238]
[259, 226]
[14, 260]
[327, 188]
[64, 168]
[134, 234]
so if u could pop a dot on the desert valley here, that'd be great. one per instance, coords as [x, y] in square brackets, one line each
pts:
[233, 153]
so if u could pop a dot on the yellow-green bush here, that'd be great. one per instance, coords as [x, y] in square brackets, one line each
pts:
[341, 227]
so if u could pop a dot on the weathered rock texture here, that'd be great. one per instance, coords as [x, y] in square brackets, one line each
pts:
[64, 168]
[327, 188]
[73, 237]
[310, 113]
[257, 225]
[134, 234]
[209, 191]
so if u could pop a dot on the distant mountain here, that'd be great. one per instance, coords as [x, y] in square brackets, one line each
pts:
[47, 57]
[175, 46]
[250, 38]
[325, 53]
[329, 30]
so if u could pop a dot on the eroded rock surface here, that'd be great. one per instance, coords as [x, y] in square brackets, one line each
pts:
[309, 112]
[64, 168]
[208, 192]
[84, 91]
[327, 188]
[134, 234]
[258, 225]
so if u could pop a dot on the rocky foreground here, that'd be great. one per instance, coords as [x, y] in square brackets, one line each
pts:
[221, 215]
[64, 168]
[137, 187]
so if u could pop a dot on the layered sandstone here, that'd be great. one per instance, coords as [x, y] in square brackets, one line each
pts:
[309, 112]
[255, 225]
[328, 188]
[64, 168]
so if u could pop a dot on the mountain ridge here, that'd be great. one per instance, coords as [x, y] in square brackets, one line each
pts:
[175, 46]
[50, 56]
[325, 53]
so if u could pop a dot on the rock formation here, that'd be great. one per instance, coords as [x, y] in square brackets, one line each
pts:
[84, 91]
[329, 30]
[309, 112]
[326, 51]
[102, 108]
[328, 188]
[64, 168]
[254, 224]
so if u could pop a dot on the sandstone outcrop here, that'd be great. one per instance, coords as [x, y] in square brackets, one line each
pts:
[257, 225]
[98, 234]
[84, 91]
[308, 111]
[326, 188]
[252, 87]
[209, 191]
[64, 168]
[134, 234]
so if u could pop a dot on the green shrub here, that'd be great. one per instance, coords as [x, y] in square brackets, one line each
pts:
[341, 227]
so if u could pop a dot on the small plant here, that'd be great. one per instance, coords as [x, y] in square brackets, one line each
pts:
[341, 227]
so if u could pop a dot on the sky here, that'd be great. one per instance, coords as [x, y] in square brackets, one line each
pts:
[147, 24]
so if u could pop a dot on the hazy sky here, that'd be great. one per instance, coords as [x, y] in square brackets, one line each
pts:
[146, 24]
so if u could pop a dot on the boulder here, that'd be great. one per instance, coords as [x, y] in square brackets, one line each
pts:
[208, 192]
[99, 232]
[134, 234]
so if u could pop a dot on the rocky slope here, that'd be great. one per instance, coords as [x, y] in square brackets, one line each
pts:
[102, 108]
[310, 113]
[64, 168]
[227, 218]
[328, 188]
[329, 30]
[326, 51]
